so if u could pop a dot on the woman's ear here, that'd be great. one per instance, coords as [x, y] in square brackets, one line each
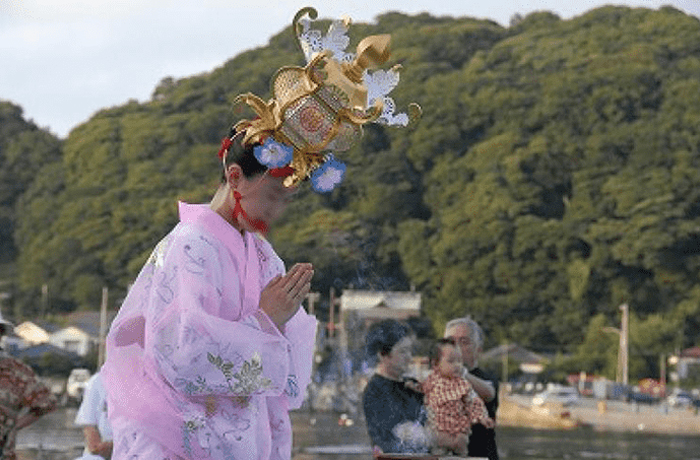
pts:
[234, 173]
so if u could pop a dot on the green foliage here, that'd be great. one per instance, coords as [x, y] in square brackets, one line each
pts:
[24, 149]
[552, 177]
[598, 352]
[557, 195]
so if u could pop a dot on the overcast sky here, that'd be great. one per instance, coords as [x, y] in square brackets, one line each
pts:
[63, 60]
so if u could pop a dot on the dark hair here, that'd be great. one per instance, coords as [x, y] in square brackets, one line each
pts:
[435, 352]
[382, 337]
[243, 156]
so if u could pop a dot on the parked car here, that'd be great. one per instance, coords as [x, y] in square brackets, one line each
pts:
[680, 399]
[565, 396]
[77, 381]
[641, 398]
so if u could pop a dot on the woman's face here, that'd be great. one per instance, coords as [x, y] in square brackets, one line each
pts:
[264, 198]
[397, 362]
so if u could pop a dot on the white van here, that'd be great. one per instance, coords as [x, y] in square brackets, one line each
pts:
[566, 396]
[77, 380]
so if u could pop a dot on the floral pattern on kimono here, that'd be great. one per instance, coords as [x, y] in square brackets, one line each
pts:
[194, 368]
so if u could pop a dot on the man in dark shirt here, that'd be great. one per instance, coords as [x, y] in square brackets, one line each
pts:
[470, 338]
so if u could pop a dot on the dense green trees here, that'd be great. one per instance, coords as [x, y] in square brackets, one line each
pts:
[553, 176]
[24, 148]
[576, 187]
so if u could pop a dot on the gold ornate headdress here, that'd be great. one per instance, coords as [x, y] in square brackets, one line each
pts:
[320, 109]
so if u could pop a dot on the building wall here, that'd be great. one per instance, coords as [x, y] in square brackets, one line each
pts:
[364, 300]
[688, 367]
[31, 333]
[72, 339]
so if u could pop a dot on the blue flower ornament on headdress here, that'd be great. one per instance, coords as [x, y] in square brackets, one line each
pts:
[319, 109]
[273, 154]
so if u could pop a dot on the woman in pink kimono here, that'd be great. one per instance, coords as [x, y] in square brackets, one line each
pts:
[210, 349]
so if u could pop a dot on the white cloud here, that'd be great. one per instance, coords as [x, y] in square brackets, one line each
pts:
[58, 10]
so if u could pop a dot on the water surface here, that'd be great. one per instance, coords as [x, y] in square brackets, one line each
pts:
[325, 436]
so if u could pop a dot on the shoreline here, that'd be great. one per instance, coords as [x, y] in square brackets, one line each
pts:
[613, 416]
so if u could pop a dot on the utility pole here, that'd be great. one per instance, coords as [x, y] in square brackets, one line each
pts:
[343, 338]
[334, 302]
[622, 372]
[44, 300]
[311, 299]
[623, 356]
[662, 369]
[101, 355]
[340, 327]
[331, 314]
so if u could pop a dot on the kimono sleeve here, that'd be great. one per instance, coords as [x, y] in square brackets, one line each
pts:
[196, 350]
[301, 333]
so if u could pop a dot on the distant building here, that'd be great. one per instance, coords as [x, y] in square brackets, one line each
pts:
[89, 322]
[35, 332]
[360, 309]
[80, 335]
[74, 340]
[528, 361]
[689, 363]
[12, 343]
[371, 306]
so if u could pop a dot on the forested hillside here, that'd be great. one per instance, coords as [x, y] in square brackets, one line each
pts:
[24, 149]
[553, 176]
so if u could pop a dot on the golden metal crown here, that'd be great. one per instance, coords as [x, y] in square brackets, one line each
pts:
[320, 108]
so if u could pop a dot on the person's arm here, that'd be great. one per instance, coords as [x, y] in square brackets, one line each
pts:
[105, 450]
[455, 442]
[475, 408]
[25, 420]
[413, 384]
[484, 388]
[281, 298]
[37, 401]
[88, 417]
[201, 331]
[94, 443]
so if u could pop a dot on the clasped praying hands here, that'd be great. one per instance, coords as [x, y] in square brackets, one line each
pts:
[282, 297]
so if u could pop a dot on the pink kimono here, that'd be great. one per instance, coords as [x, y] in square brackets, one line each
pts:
[194, 368]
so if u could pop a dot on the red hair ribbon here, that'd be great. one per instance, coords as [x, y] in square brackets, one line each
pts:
[284, 171]
[226, 144]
